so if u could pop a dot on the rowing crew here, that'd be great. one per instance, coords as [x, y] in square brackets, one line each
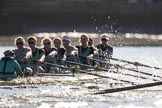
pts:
[26, 61]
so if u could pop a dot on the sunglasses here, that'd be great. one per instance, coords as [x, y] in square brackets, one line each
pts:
[57, 42]
[47, 43]
[32, 42]
[19, 43]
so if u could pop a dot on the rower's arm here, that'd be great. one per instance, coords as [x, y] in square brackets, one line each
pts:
[90, 56]
[75, 51]
[52, 54]
[42, 57]
[64, 56]
[28, 54]
[96, 52]
[111, 52]
[18, 69]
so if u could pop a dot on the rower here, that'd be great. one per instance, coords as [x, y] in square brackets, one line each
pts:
[85, 52]
[61, 52]
[9, 67]
[105, 50]
[38, 55]
[71, 51]
[23, 55]
[91, 44]
[50, 53]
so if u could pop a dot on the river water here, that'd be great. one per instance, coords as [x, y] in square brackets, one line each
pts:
[78, 95]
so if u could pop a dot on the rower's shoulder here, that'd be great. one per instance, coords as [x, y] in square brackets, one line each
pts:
[73, 47]
[94, 48]
[78, 46]
[41, 50]
[53, 49]
[62, 49]
[98, 46]
[110, 46]
[27, 49]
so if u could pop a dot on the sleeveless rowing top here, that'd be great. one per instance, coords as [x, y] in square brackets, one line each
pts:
[50, 59]
[37, 54]
[105, 50]
[84, 53]
[70, 57]
[60, 54]
[19, 56]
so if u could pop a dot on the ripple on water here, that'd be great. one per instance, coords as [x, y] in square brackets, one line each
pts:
[78, 94]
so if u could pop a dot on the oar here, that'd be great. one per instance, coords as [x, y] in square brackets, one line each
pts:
[130, 69]
[121, 67]
[53, 74]
[102, 76]
[129, 88]
[142, 77]
[59, 66]
[135, 63]
[104, 69]
[87, 66]
[82, 71]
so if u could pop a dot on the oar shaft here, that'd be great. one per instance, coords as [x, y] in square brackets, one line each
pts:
[80, 64]
[129, 88]
[121, 67]
[133, 70]
[127, 68]
[55, 65]
[133, 83]
[142, 77]
[142, 72]
[84, 65]
[135, 63]
[74, 63]
[82, 71]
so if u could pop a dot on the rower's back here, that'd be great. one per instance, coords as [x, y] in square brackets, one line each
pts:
[10, 68]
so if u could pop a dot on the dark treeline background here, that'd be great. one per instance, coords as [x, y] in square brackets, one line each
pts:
[98, 16]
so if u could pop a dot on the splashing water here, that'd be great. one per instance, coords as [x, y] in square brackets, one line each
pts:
[78, 94]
